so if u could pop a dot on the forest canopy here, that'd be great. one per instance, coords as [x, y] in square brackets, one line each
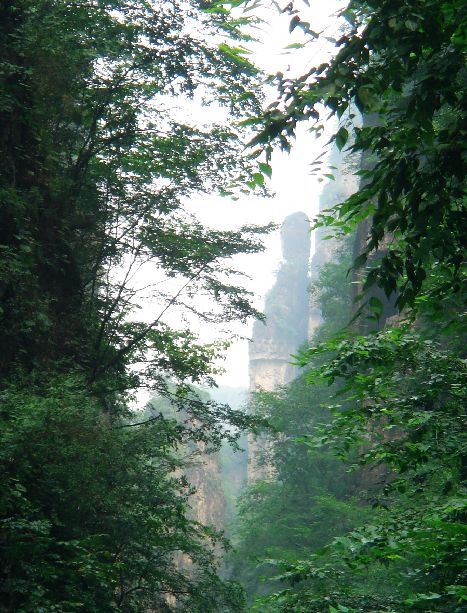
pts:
[99, 160]
[384, 391]
[96, 170]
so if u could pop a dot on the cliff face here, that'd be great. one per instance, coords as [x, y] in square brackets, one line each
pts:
[290, 317]
[286, 310]
[202, 471]
[208, 502]
[286, 326]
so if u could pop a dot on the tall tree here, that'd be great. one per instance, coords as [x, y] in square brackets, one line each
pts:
[402, 64]
[97, 165]
[96, 169]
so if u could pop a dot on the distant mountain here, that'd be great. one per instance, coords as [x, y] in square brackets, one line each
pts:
[235, 397]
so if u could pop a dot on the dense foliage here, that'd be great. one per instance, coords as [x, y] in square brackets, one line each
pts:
[402, 65]
[390, 404]
[365, 508]
[99, 158]
[402, 406]
[93, 513]
[312, 497]
[404, 399]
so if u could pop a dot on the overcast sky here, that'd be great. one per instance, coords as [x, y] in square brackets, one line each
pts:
[294, 187]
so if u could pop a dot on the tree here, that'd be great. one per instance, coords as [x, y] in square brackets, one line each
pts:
[94, 516]
[402, 65]
[311, 497]
[96, 168]
[391, 405]
[399, 405]
[96, 171]
[309, 500]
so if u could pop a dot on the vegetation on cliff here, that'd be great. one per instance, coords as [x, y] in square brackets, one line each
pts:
[96, 165]
[394, 398]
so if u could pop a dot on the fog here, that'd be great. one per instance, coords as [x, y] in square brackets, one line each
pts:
[292, 186]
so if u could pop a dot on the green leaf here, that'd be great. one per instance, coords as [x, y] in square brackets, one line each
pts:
[295, 46]
[294, 23]
[376, 306]
[341, 138]
[258, 178]
[360, 260]
[265, 169]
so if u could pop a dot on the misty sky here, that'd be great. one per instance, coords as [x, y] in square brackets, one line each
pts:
[294, 188]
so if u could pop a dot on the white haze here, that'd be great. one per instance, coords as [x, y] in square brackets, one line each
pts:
[294, 188]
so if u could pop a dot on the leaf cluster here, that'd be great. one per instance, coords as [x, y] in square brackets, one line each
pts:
[99, 161]
[402, 66]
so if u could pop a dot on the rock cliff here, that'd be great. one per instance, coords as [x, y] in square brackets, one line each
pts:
[291, 317]
[286, 326]
[202, 471]
[286, 310]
